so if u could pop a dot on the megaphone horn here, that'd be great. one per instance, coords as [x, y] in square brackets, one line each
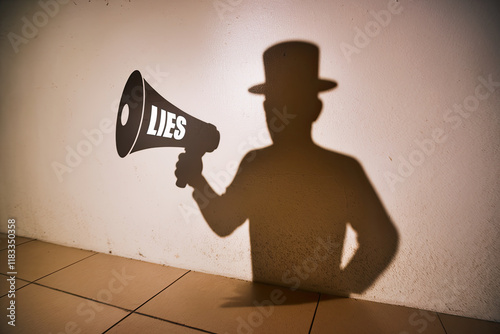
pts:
[146, 120]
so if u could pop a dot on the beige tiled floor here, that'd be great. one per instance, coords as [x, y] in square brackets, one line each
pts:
[66, 290]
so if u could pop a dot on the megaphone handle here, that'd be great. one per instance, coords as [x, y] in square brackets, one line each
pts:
[190, 155]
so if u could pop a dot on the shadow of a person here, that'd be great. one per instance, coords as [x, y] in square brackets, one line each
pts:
[299, 197]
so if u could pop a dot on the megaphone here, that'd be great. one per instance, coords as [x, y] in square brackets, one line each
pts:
[146, 120]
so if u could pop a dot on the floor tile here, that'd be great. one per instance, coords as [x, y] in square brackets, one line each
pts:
[346, 316]
[43, 310]
[5, 286]
[36, 259]
[225, 305]
[136, 323]
[460, 325]
[4, 241]
[114, 280]
[193, 303]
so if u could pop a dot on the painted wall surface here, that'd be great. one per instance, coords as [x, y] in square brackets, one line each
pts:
[417, 106]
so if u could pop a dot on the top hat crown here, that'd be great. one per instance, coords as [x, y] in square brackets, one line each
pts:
[292, 65]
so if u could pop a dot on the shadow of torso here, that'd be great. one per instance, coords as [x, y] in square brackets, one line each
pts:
[298, 203]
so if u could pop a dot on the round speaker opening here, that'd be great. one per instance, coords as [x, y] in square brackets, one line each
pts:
[124, 115]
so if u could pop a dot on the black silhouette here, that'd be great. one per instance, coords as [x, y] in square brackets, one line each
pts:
[146, 120]
[298, 196]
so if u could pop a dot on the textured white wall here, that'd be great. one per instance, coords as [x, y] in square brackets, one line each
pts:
[398, 85]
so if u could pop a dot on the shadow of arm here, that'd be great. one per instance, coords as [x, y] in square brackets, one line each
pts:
[378, 238]
[223, 213]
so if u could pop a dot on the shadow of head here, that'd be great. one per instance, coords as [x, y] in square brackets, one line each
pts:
[292, 86]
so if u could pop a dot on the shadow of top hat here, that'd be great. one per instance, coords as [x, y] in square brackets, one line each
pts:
[292, 67]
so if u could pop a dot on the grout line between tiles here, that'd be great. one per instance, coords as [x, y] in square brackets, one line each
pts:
[17, 278]
[34, 281]
[138, 307]
[17, 289]
[22, 243]
[173, 322]
[69, 265]
[314, 315]
[19, 244]
[441, 321]
[165, 288]
[116, 323]
[77, 295]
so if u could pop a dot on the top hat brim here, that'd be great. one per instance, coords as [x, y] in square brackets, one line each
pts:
[321, 86]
